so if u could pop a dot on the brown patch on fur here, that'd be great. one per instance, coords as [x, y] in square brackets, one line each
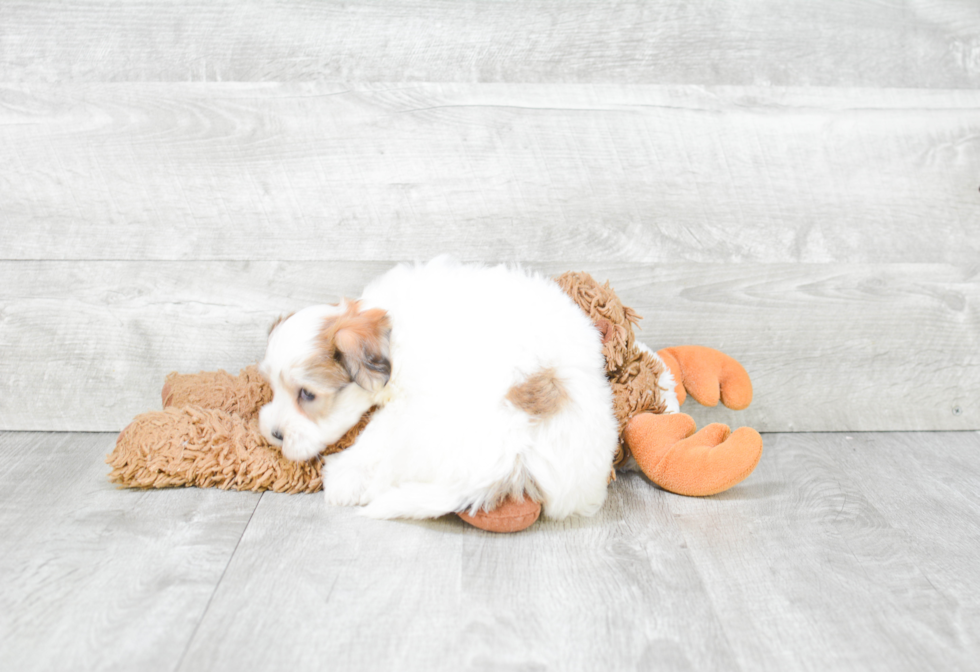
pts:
[354, 328]
[354, 346]
[541, 395]
[326, 371]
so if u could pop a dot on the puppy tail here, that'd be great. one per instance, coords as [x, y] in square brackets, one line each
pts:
[414, 500]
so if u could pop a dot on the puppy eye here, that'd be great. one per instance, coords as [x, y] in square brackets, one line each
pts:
[306, 395]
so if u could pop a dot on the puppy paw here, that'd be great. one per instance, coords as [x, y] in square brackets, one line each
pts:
[344, 484]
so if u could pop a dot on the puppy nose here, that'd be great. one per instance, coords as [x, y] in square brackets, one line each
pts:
[276, 434]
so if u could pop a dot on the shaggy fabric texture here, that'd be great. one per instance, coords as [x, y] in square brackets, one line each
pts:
[208, 436]
[633, 373]
[243, 394]
[212, 448]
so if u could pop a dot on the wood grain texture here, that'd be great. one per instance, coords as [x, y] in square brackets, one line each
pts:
[535, 173]
[357, 594]
[806, 572]
[96, 578]
[915, 43]
[939, 486]
[831, 347]
[840, 552]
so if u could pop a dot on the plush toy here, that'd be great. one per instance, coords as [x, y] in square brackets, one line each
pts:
[207, 434]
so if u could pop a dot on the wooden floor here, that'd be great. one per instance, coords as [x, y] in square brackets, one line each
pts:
[842, 551]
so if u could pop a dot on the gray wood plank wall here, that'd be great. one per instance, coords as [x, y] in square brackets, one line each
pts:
[795, 183]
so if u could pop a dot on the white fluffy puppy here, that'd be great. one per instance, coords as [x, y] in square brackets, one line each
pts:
[488, 382]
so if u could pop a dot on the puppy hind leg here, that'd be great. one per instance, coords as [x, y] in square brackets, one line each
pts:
[414, 500]
[569, 481]
[580, 497]
[571, 456]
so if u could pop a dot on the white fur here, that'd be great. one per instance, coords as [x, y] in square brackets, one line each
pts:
[290, 344]
[665, 382]
[445, 439]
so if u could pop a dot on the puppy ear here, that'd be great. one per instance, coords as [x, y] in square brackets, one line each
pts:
[360, 341]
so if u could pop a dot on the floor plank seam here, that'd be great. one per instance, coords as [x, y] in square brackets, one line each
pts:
[217, 585]
[704, 585]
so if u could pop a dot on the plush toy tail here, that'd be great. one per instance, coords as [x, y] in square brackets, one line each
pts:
[512, 515]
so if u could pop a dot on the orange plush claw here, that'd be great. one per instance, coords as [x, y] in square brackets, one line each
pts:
[711, 461]
[708, 375]
[651, 436]
[512, 515]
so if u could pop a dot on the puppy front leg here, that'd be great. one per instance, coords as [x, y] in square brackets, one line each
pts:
[349, 477]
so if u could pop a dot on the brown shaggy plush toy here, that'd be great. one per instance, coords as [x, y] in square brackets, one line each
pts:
[208, 436]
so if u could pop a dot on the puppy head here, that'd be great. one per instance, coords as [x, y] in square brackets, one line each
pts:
[326, 366]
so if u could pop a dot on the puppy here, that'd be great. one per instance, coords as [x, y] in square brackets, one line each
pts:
[489, 382]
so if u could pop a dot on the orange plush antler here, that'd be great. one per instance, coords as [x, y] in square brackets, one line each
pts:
[667, 448]
[708, 375]
[679, 460]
